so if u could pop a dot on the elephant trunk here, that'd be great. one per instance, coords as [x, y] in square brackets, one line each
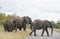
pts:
[31, 26]
[51, 31]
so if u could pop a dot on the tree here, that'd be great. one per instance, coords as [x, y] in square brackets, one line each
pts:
[58, 24]
[2, 17]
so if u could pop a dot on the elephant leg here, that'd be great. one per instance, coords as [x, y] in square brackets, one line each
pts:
[11, 30]
[24, 28]
[19, 28]
[8, 31]
[35, 33]
[15, 29]
[42, 32]
[47, 32]
[31, 32]
[5, 29]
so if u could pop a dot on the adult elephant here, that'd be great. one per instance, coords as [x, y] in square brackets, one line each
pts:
[8, 25]
[20, 22]
[40, 24]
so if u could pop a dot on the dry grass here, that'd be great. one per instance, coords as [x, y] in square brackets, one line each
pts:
[58, 30]
[13, 35]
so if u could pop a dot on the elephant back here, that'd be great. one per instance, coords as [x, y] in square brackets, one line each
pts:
[19, 21]
[47, 23]
[37, 24]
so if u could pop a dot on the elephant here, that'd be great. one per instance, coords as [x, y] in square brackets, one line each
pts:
[8, 25]
[41, 24]
[20, 22]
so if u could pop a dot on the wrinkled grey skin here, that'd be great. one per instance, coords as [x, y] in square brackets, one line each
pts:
[39, 24]
[20, 22]
[8, 25]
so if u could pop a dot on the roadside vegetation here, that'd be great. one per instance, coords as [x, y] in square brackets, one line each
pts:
[13, 35]
[58, 30]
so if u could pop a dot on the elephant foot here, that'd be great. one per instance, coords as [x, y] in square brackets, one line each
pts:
[24, 30]
[48, 35]
[15, 30]
[19, 28]
[30, 34]
[10, 31]
[35, 35]
[41, 35]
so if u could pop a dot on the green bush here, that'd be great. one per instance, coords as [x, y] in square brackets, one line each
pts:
[3, 17]
[57, 25]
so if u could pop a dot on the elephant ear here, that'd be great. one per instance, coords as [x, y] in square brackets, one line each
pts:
[30, 21]
[24, 19]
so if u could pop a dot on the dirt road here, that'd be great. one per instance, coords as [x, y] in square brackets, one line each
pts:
[56, 35]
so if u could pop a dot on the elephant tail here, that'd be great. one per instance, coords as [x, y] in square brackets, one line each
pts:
[51, 31]
[31, 26]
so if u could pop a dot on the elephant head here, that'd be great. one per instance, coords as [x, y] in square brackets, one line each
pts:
[28, 20]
